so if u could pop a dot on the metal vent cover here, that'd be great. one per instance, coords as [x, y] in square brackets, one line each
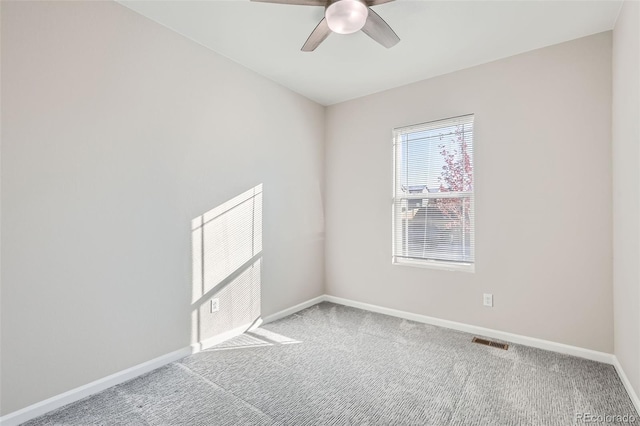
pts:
[491, 343]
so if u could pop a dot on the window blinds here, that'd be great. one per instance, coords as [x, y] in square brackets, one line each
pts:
[433, 203]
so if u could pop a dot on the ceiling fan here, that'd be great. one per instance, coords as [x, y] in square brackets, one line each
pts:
[346, 17]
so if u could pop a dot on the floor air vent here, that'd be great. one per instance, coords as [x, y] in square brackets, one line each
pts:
[490, 343]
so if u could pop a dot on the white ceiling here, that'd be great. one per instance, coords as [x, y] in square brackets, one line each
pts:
[437, 37]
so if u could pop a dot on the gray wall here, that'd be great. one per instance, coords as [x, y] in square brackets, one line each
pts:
[626, 189]
[116, 133]
[543, 196]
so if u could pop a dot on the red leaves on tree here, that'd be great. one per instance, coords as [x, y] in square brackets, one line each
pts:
[456, 176]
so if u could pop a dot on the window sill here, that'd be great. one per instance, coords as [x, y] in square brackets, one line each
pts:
[434, 264]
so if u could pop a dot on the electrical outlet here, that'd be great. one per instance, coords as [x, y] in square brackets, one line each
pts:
[215, 305]
[488, 300]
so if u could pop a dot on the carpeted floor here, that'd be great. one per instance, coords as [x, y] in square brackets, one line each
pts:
[334, 365]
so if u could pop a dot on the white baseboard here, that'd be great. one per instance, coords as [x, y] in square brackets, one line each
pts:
[294, 309]
[501, 335]
[55, 402]
[487, 332]
[223, 337]
[627, 384]
[43, 407]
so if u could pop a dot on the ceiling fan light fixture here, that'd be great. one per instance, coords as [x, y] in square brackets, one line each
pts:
[346, 16]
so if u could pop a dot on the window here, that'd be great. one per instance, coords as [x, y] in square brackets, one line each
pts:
[433, 205]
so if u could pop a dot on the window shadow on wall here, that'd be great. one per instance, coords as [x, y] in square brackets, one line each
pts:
[227, 252]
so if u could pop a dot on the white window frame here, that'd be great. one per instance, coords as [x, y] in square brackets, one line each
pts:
[429, 263]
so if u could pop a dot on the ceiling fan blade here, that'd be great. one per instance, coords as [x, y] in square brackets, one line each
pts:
[296, 2]
[379, 30]
[377, 2]
[317, 36]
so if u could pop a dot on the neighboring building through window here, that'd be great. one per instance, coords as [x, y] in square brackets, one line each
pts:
[433, 200]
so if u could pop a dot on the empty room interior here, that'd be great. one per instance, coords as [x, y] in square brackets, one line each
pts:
[320, 212]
